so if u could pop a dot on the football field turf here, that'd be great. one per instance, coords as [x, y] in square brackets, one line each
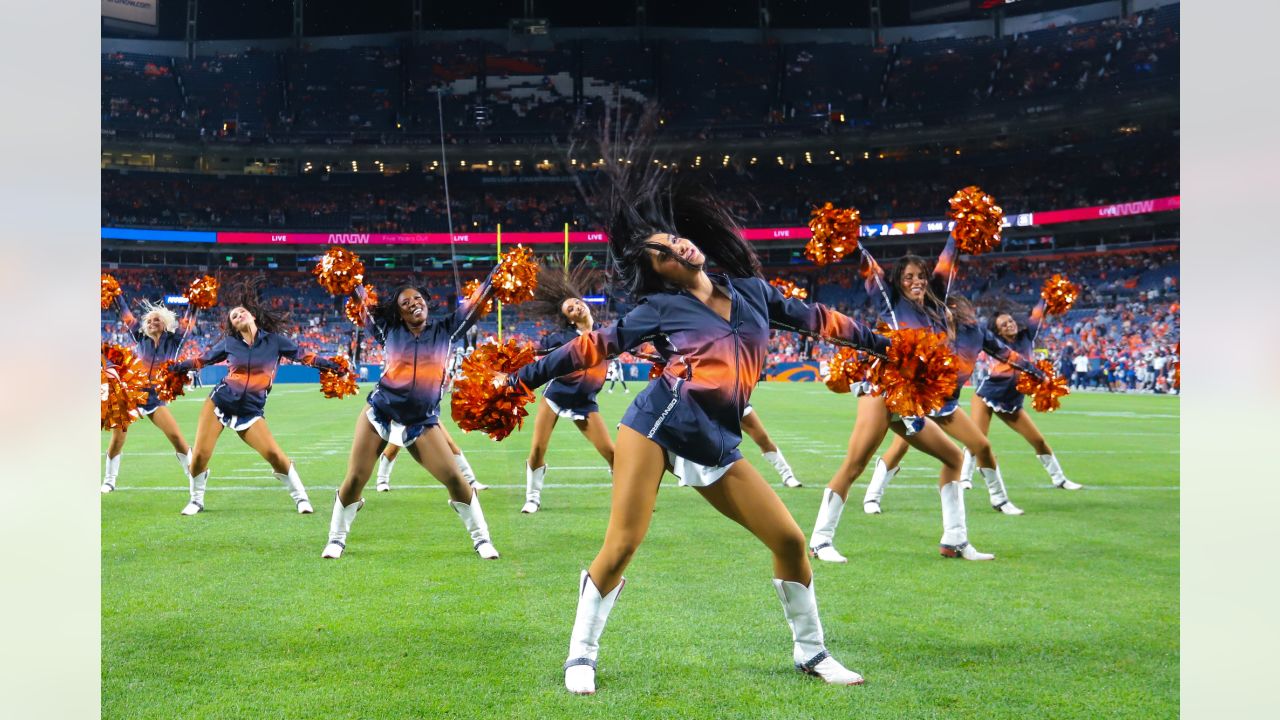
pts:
[232, 613]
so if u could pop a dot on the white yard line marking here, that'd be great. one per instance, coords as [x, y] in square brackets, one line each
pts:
[667, 484]
[1127, 414]
[1064, 453]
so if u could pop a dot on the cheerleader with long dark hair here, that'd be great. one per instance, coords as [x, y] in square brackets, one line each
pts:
[663, 238]
[999, 394]
[908, 300]
[157, 341]
[560, 296]
[404, 409]
[969, 341]
[252, 348]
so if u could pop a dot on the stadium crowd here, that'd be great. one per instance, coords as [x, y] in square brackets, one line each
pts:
[492, 94]
[1126, 324]
[1091, 173]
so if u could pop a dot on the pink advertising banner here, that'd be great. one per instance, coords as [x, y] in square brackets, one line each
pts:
[488, 239]
[1102, 212]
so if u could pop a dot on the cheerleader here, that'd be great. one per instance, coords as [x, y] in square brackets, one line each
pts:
[404, 409]
[252, 348]
[908, 301]
[573, 397]
[689, 419]
[387, 461]
[970, 340]
[999, 395]
[157, 342]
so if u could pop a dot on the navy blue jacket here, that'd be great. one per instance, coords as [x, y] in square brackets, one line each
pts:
[251, 369]
[577, 390]
[695, 409]
[1002, 384]
[413, 373]
[970, 340]
[154, 354]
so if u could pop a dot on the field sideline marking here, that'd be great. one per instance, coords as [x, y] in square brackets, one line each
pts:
[598, 486]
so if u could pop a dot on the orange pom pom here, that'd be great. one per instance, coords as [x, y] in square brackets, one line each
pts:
[352, 307]
[339, 271]
[1059, 294]
[835, 233]
[656, 369]
[338, 383]
[789, 289]
[978, 219]
[116, 354]
[169, 384]
[124, 387]
[1177, 367]
[477, 404]
[202, 293]
[110, 290]
[850, 367]
[919, 372]
[469, 288]
[516, 276]
[1046, 390]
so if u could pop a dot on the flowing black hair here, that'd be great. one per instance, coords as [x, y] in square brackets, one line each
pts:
[635, 198]
[244, 292]
[555, 285]
[933, 305]
[962, 310]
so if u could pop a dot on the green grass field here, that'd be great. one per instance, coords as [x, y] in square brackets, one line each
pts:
[232, 613]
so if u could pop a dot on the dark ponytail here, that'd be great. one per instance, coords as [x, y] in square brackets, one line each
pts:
[635, 198]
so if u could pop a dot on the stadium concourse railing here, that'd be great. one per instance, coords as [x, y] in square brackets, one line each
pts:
[1156, 95]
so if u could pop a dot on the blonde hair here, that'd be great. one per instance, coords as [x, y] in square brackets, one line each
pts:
[167, 316]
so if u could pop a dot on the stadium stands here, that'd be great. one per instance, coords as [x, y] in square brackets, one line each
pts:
[498, 95]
